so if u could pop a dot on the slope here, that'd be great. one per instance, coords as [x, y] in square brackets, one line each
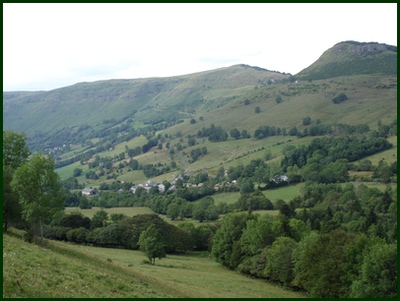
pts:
[353, 58]
[149, 100]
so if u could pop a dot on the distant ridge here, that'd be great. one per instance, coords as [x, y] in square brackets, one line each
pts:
[353, 58]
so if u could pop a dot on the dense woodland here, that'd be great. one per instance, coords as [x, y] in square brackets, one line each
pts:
[333, 240]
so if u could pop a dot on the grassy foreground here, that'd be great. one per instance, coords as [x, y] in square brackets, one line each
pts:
[66, 270]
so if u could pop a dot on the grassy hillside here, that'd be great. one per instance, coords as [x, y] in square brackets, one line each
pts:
[114, 115]
[76, 271]
[353, 58]
[31, 271]
[148, 100]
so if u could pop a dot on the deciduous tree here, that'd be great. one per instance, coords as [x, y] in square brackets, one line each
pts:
[39, 190]
[151, 243]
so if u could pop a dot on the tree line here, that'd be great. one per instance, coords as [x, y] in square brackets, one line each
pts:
[344, 245]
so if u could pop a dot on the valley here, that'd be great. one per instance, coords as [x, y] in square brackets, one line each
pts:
[238, 180]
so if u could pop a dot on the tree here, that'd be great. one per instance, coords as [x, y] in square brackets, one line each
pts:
[77, 172]
[39, 190]
[307, 121]
[173, 211]
[278, 99]
[227, 236]
[293, 131]
[319, 264]
[15, 153]
[11, 206]
[99, 219]
[15, 150]
[235, 133]
[257, 110]
[340, 98]
[245, 134]
[378, 276]
[279, 260]
[246, 102]
[151, 243]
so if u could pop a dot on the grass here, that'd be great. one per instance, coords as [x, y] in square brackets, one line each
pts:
[194, 273]
[286, 193]
[75, 271]
[31, 271]
[389, 155]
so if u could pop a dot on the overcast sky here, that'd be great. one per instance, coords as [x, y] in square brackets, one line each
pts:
[48, 46]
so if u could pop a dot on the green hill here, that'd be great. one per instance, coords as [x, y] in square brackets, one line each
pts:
[353, 58]
[148, 101]
[107, 118]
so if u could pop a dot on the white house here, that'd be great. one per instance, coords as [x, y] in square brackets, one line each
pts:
[89, 192]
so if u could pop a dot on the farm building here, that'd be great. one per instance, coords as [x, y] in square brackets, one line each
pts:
[89, 191]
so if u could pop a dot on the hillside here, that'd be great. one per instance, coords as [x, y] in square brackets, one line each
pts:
[353, 58]
[74, 271]
[148, 101]
[108, 118]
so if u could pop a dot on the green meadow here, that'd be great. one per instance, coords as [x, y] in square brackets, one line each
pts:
[65, 270]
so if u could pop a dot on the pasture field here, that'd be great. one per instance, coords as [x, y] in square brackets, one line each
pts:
[194, 274]
[286, 193]
[389, 155]
[66, 270]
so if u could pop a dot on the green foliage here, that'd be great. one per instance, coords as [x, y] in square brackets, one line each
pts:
[77, 172]
[378, 275]
[11, 207]
[279, 265]
[214, 134]
[265, 131]
[307, 121]
[15, 150]
[100, 219]
[235, 133]
[225, 242]
[258, 234]
[15, 153]
[278, 99]
[151, 243]
[75, 220]
[319, 264]
[340, 98]
[39, 190]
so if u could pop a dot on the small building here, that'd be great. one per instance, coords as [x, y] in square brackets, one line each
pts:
[281, 178]
[161, 188]
[150, 183]
[89, 192]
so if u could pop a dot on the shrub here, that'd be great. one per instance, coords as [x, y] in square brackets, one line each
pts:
[340, 98]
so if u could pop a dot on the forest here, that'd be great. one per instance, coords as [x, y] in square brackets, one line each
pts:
[335, 240]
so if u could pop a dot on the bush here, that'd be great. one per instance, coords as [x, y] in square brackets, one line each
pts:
[340, 98]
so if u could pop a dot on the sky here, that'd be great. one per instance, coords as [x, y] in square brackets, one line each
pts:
[49, 46]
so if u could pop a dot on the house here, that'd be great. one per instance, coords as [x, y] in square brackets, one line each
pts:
[161, 188]
[172, 188]
[150, 183]
[89, 192]
[281, 178]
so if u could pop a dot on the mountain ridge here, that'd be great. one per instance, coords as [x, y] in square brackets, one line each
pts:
[217, 96]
